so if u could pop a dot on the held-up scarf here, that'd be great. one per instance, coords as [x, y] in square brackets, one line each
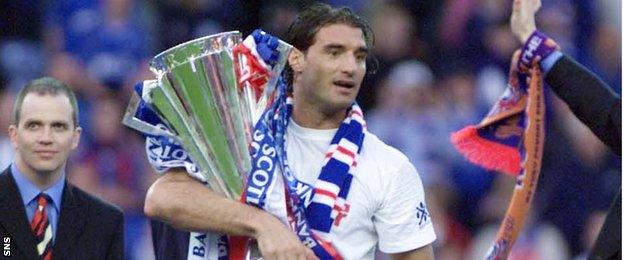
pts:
[510, 139]
[311, 209]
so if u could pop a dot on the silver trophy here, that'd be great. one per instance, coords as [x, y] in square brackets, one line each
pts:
[207, 107]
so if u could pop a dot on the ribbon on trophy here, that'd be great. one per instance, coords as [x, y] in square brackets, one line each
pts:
[258, 61]
[253, 53]
[510, 139]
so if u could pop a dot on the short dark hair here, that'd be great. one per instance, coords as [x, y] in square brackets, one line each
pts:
[43, 86]
[302, 31]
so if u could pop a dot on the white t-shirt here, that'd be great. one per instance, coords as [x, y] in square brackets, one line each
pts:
[386, 200]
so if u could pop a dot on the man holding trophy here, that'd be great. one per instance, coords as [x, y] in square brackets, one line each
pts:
[318, 185]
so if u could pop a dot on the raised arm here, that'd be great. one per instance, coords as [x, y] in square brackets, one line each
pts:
[523, 18]
[589, 98]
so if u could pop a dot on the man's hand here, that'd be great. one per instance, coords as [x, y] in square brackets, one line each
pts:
[523, 18]
[186, 204]
[276, 241]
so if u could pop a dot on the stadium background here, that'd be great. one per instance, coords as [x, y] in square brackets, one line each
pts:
[441, 64]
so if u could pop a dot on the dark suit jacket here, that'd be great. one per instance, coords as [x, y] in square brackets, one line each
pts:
[88, 227]
[593, 102]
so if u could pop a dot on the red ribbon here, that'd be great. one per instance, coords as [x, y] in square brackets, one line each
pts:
[250, 72]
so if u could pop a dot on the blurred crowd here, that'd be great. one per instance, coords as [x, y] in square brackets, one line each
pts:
[437, 66]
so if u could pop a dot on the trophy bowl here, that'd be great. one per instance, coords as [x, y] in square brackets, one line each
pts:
[206, 107]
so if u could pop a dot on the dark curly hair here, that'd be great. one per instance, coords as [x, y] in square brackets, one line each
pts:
[302, 31]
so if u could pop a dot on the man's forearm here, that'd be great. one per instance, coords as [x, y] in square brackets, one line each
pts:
[186, 204]
[423, 253]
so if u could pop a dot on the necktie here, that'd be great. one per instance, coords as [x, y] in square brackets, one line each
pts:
[41, 227]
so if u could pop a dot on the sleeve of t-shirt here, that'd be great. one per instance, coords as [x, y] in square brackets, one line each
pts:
[549, 62]
[403, 222]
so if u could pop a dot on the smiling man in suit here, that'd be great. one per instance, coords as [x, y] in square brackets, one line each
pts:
[45, 216]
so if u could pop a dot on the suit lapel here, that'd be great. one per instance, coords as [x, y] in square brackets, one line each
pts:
[13, 216]
[71, 222]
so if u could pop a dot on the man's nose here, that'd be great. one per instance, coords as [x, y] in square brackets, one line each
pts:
[349, 65]
[46, 136]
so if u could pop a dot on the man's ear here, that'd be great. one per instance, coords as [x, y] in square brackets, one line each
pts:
[13, 135]
[76, 138]
[296, 60]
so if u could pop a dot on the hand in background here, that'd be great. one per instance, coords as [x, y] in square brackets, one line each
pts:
[523, 18]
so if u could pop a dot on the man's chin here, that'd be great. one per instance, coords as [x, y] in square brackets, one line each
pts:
[345, 103]
[46, 168]
[336, 107]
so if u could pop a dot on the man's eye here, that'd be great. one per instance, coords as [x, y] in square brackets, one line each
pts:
[59, 126]
[360, 58]
[32, 126]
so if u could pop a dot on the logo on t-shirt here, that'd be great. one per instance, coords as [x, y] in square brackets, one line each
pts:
[422, 215]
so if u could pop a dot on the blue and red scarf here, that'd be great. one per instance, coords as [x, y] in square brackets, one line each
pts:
[311, 209]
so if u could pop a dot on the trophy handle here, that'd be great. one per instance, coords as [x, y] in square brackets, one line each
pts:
[131, 121]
